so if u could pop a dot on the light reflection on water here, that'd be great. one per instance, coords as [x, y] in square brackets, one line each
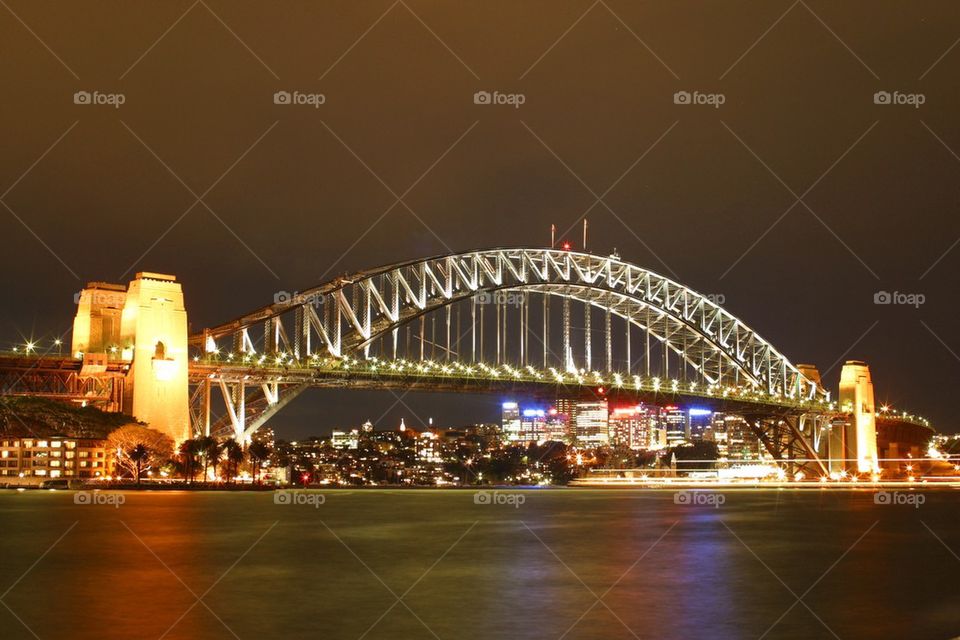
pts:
[591, 564]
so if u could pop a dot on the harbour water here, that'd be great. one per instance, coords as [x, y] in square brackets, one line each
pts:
[553, 563]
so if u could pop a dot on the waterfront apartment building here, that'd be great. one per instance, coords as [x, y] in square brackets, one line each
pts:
[54, 457]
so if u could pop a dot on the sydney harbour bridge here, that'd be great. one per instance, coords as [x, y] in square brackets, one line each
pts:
[543, 322]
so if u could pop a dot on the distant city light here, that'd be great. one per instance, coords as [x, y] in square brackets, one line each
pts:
[700, 412]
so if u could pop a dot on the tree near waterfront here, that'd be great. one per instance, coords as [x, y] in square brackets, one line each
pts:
[127, 438]
[214, 455]
[258, 452]
[139, 455]
[234, 456]
[208, 449]
[190, 451]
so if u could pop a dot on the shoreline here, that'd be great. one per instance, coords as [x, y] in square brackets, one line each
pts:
[611, 487]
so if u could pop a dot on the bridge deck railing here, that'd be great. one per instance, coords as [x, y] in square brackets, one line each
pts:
[294, 371]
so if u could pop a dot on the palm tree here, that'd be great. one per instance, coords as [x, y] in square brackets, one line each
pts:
[258, 452]
[212, 453]
[139, 454]
[235, 456]
[203, 447]
[189, 452]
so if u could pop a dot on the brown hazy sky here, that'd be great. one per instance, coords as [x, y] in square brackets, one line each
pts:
[296, 191]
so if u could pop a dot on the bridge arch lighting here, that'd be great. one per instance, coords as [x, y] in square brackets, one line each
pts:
[360, 317]
[386, 298]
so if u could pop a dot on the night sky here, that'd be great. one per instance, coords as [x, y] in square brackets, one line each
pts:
[797, 199]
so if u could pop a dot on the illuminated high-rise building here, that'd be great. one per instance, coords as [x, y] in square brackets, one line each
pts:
[591, 425]
[675, 421]
[557, 426]
[510, 421]
[735, 439]
[633, 427]
[533, 425]
[699, 425]
[568, 408]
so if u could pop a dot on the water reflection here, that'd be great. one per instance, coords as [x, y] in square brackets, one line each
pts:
[395, 564]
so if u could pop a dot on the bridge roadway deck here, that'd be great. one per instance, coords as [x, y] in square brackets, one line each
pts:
[431, 376]
[499, 379]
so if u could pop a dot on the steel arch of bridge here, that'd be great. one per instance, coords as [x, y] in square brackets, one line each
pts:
[345, 316]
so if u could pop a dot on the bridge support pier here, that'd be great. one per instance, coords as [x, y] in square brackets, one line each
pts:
[144, 324]
[247, 405]
[856, 397]
[784, 439]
